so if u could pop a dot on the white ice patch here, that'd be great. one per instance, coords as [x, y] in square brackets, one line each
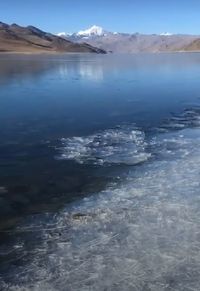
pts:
[142, 235]
[123, 145]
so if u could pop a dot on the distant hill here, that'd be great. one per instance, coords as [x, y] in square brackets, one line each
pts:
[134, 43]
[193, 46]
[15, 38]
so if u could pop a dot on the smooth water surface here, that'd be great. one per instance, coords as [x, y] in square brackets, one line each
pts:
[99, 172]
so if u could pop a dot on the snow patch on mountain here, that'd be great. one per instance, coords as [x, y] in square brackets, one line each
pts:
[61, 34]
[92, 31]
[166, 34]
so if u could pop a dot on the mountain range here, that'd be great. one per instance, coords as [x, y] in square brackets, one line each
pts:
[135, 42]
[15, 38]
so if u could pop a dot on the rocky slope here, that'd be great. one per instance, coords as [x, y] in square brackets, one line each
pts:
[15, 38]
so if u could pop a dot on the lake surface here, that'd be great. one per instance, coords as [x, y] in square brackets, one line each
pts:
[100, 172]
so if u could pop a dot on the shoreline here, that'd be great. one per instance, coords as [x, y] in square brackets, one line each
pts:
[44, 52]
[75, 53]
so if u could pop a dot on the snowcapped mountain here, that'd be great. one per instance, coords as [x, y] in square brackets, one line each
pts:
[92, 31]
[16, 38]
[61, 34]
[166, 34]
[130, 42]
[64, 34]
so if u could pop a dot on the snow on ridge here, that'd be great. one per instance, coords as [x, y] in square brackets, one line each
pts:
[61, 34]
[97, 31]
[94, 30]
[166, 34]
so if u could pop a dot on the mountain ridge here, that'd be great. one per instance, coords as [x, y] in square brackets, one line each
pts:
[134, 42]
[16, 38]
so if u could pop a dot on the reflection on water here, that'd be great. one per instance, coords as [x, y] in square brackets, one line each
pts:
[93, 67]
[86, 71]
[16, 68]
[99, 172]
[91, 71]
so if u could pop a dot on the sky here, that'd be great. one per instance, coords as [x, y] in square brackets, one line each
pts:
[143, 16]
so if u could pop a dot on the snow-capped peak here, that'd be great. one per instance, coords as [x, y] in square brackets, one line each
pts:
[92, 31]
[166, 34]
[61, 34]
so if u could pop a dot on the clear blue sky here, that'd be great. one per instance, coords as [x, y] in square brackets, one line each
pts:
[145, 16]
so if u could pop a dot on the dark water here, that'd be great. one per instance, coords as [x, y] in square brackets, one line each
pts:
[99, 172]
